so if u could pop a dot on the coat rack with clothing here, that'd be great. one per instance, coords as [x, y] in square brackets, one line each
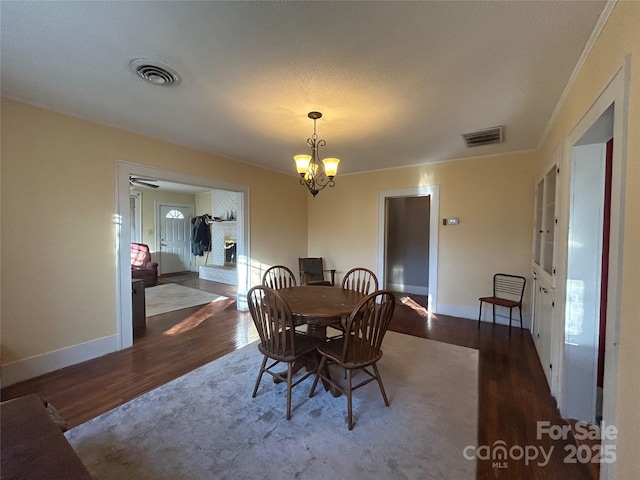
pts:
[201, 235]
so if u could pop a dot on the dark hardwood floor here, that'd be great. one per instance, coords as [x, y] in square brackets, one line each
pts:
[513, 393]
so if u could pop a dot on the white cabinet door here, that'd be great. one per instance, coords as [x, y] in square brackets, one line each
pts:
[542, 324]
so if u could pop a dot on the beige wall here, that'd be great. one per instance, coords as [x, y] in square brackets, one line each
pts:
[492, 197]
[58, 237]
[58, 256]
[620, 37]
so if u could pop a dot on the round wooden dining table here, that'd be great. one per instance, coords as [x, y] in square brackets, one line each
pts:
[320, 306]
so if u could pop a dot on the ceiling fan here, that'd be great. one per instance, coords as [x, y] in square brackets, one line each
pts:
[142, 181]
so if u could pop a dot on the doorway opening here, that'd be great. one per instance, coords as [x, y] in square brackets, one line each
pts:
[124, 236]
[587, 271]
[408, 243]
[579, 325]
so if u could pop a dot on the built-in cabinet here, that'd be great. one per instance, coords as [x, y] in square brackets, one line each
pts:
[544, 264]
[543, 301]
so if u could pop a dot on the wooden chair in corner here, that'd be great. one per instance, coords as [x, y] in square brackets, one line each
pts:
[312, 272]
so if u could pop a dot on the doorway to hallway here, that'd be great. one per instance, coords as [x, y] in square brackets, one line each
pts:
[408, 242]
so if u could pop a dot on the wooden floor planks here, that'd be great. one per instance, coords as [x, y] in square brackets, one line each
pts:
[513, 393]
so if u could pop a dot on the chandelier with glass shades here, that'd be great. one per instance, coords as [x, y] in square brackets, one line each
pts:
[313, 175]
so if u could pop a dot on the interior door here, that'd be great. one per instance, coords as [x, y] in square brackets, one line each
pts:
[174, 230]
[407, 244]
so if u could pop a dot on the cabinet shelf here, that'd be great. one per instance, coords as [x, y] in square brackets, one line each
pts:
[545, 222]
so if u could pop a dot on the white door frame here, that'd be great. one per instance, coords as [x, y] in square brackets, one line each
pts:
[123, 237]
[158, 219]
[616, 93]
[434, 214]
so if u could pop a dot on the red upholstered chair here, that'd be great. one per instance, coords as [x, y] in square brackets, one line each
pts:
[141, 265]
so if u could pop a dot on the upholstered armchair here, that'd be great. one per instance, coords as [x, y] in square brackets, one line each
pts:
[141, 265]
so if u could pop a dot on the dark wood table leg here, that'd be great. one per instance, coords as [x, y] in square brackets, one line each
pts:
[320, 331]
[312, 360]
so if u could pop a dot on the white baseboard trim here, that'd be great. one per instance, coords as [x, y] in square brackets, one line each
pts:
[471, 313]
[400, 287]
[31, 367]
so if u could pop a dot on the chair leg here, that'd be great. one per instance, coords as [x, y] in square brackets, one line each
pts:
[494, 313]
[520, 312]
[289, 376]
[510, 313]
[349, 402]
[255, 390]
[384, 394]
[315, 381]
[480, 314]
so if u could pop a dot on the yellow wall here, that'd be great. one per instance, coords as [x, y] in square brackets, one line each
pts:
[620, 37]
[58, 255]
[58, 237]
[492, 197]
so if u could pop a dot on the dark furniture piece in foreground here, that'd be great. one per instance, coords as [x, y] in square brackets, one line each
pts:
[279, 341]
[312, 272]
[141, 265]
[139, 313]
[508, 291]
[33, 446]
[360, 347]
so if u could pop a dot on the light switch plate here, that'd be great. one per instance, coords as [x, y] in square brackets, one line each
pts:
[453, 221]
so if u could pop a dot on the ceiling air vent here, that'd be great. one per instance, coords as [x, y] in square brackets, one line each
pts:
[155, 73]
[483, 137]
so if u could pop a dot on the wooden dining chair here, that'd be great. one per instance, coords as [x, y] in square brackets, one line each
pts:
[508, 291]
[360, 347]
[278, 277]
[279, 341]
[312, 272]
[361, 280]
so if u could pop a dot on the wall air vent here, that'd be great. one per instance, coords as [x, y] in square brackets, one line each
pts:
[487, 136]
[155, 73]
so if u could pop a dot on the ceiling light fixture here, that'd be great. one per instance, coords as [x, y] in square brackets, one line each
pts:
[314, 175]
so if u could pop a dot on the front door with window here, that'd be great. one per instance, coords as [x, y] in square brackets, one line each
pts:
[174, 230]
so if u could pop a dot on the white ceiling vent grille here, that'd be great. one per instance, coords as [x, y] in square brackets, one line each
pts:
[155, 73]
[487, 136]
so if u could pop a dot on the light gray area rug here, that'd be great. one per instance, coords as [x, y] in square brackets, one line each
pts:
[169, 297]
[205, 425]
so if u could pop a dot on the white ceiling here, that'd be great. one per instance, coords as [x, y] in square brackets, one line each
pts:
[397, 82]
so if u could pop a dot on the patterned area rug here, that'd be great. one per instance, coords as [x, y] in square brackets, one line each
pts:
[205, 425]
[170, 297]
